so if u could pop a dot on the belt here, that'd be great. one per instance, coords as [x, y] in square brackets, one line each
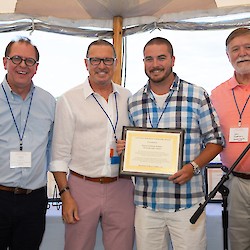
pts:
[237, 174]
[101, 180]
[241, 175]
[18, 190]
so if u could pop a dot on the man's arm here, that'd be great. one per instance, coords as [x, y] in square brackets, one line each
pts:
[186, 173]
[69, 207]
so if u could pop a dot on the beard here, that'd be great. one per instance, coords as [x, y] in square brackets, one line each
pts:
[242, 69]
[242, 65]
[158, 78]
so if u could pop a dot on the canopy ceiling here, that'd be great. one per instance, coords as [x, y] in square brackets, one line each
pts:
[101, 9]
[68, 16]
[107, 9]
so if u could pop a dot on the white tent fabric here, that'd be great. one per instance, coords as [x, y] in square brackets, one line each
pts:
[75, 17]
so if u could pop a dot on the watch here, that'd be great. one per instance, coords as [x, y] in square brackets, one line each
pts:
[196, 168]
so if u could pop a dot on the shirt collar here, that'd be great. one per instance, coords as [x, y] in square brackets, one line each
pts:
[174, 87]
[87, 90]
[11, 93]
[232, 82]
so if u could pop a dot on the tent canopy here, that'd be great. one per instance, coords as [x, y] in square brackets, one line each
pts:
[60, 16]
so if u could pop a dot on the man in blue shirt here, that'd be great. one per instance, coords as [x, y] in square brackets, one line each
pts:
[26, 125]
[164, 206]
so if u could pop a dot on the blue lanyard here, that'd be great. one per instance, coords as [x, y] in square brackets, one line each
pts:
[240, 113]
[112, 125]
[167, 102]
[20, 136]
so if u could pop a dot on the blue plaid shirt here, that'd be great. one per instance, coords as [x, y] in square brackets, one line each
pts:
[186, 107]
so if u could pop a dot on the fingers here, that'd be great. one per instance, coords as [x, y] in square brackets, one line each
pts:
[120, 146]
[177, 178]
[182, 176]
[76, 216]
[70, 211]
[71, 218]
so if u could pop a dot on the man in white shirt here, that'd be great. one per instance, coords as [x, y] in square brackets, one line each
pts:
[88, 123]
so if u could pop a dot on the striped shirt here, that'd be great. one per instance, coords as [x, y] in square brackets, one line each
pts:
[186, 107]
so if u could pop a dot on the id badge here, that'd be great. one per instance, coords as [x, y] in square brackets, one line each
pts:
[114, 158]
[238, 134]
[20, 159]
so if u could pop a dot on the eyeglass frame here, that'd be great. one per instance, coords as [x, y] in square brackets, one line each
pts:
[101, 60]
[22, 59]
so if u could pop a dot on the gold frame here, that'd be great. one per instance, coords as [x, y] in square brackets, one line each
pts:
[151, 152]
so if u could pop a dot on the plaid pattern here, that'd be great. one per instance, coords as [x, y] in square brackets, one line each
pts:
[187, 107]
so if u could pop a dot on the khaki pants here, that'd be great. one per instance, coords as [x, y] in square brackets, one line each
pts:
[239, 213]
[155, 229]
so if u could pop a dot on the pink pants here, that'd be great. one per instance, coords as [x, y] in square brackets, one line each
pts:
[111, 204]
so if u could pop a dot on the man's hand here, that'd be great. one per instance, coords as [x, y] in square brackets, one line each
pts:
[69, 209]
[183, 175]
[120, 146]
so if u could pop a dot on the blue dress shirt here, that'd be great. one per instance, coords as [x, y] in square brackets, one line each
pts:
[36, 139]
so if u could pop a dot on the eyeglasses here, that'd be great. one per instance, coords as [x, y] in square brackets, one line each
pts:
[18, 60]
[96, 61]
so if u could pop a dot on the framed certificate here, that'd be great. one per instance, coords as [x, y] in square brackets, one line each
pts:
[151, 152]
[213, 175]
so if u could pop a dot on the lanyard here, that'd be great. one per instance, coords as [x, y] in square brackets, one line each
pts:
[20, 136]
[112, 125]
[167, 102]
[240, 113]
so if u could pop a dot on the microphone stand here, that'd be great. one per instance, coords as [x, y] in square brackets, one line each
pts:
[224, 191]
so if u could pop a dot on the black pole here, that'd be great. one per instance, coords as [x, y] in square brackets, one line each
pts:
[224, 192]
[220, 187]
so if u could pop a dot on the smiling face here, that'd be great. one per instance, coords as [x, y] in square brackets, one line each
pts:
[20, 76]
[238, 52]
[101, 74]
[158, 63]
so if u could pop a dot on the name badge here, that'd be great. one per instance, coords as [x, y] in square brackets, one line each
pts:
[20, 159]
[238, 134]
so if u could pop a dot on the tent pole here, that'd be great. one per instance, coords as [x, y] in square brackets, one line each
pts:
[117, 41]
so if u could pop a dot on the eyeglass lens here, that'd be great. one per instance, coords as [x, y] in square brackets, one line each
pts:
[17, 60]
[96, 61]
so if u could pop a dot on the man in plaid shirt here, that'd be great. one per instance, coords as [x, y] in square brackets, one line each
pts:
[165, 206]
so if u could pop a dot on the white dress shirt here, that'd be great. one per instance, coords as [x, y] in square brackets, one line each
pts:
[83, 134]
